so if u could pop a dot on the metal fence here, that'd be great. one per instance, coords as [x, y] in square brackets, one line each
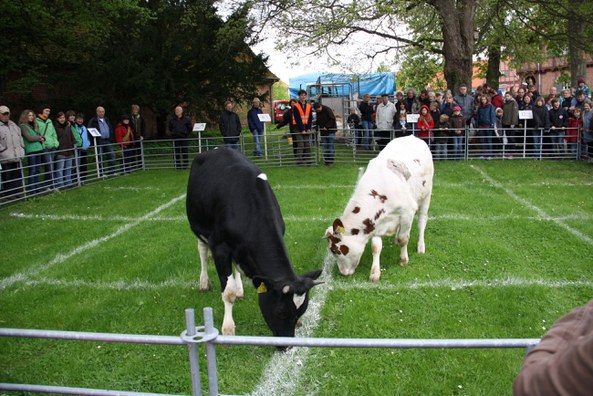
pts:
[209, 336]
[49, 171]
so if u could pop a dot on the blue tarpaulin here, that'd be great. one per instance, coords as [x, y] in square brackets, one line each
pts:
[373, 83]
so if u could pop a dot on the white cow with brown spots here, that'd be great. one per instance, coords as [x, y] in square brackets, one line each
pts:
[396, 185]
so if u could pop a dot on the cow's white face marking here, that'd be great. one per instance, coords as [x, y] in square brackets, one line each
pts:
[298, 300]
[262, 176]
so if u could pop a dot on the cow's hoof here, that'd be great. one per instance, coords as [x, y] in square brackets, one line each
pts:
[403, 262]
[421, 249]
[375, 278]
[204, 288]
[228, 331]
[240, 294]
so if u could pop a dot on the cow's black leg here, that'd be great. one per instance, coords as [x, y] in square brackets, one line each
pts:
[222, 258]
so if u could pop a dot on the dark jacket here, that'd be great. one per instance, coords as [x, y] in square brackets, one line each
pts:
[139, 126]
[253, 120]
[510, 115]
[486, 116]
[366, 111]
[180, 128]
[66, 139]
[558, 118]
[326, 121]
[541, 118]
[230, 126]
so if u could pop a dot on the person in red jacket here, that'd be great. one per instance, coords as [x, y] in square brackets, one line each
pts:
[573, 131]
[124, 135]
[425, 125]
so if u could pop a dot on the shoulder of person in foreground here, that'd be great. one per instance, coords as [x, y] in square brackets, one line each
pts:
[562, 363]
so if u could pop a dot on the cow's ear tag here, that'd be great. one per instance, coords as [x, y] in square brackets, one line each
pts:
[262, 288]
[341, 230]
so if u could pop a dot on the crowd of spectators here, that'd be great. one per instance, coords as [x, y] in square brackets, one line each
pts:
[56, 149]
[557, 124]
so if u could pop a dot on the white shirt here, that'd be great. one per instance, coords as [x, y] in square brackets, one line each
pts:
[385, 115]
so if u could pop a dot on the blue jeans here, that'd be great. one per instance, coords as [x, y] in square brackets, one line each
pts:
[106, 150]
[329, 147]
[63, 171]
[485, 138]
[34, 161]
[367, 137]
[257, 137]
[458, 146]
[47, 160]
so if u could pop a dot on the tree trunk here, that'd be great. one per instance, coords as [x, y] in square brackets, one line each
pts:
[493, 72]
[457, 22]
[575, 28]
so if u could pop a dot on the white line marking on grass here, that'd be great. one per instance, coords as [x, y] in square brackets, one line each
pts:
[136, 284]
[292, 218]
[60, 258]
[455, 284]
[310, 186]
[531, 206]
[130, 188]
[92, 218]
[282, 374]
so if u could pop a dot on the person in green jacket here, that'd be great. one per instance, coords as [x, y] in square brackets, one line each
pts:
[50, 144]
[33, 148]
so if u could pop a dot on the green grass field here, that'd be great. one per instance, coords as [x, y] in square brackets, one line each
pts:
[508, 252]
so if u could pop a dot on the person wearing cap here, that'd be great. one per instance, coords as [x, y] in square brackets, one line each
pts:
[124, 135]
[50, 145]
[12, 151]
[255, 125]
[584, 87]
[105, 149]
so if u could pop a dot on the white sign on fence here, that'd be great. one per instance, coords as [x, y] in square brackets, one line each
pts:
[94, 132]
[264, 117]
[199, 127]
[525, 115]
[412, 118]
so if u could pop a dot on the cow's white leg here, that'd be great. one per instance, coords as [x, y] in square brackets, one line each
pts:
[203, 252]
[403, 237]
[229, 295]
[239, 283]
[422, 220]
[377, 246]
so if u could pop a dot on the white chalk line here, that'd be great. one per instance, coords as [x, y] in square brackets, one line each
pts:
[60, 258]
[540, 212]
[291, 218]
[282, 373]
[336, 284]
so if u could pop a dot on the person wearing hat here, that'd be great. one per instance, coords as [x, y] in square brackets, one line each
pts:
[50, 144]
[124, 135]
[584, 87]
[12, 151]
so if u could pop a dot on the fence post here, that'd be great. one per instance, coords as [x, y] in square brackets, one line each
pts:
[190, 324]
[211, 352]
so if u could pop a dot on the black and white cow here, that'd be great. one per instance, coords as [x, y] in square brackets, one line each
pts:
[232, 210]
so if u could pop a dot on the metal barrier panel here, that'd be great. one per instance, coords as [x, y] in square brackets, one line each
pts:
[209, 336]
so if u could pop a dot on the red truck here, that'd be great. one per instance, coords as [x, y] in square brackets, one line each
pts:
[280, 106]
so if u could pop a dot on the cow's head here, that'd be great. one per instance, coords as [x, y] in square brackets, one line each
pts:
[282, 303]
[346, 245]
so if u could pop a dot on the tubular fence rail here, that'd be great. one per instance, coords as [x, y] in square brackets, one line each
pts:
[209, 336]
[48, 171]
